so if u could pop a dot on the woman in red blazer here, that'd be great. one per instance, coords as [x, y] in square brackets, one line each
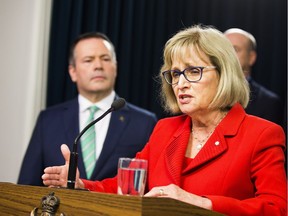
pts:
[213, 155]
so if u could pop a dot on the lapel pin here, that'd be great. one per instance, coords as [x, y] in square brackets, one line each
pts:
[121, 118]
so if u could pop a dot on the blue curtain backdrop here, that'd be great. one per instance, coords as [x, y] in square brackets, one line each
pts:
[140, 28]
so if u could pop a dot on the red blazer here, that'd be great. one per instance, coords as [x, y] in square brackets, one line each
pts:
[240, 168]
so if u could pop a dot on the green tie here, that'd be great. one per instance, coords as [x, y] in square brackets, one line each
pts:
[88, 144]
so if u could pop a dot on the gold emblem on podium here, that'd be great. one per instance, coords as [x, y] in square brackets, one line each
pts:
[49, 204]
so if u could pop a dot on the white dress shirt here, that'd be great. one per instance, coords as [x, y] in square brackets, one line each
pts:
[101, 127]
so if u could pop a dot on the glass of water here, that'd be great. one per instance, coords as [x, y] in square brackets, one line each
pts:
[131, 177]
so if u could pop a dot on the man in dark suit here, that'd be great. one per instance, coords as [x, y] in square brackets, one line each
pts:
[93, 67]
[263, 102]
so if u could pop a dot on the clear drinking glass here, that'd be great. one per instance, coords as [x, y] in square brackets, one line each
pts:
[131, 177]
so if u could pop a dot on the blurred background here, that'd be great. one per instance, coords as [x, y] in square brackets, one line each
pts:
[36, 35]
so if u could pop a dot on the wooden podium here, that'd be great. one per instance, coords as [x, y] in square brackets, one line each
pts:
[22, 199]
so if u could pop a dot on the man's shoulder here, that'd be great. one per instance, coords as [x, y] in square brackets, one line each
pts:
[63, 105]
[139, 111]
[261, 91]
[57, 110]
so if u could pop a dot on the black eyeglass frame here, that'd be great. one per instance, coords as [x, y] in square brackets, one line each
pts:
[183, 72]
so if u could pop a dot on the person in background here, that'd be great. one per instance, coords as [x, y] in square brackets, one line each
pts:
[263, 102]
[93, 67]
[213, 155]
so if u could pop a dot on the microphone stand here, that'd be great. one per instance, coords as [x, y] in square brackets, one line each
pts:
[74, 155]
[71, 180]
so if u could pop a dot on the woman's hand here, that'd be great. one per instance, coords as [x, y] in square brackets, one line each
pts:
[175, 192]
[56, 176]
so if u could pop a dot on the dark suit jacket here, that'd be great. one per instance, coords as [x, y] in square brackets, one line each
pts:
[128, 132]
[265, 104]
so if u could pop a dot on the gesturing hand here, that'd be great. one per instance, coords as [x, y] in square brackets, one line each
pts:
[56, 176]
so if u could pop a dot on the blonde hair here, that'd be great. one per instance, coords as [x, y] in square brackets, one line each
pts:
[233, 87]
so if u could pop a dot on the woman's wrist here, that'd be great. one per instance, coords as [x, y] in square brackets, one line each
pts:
[80, 184]
[206, 203]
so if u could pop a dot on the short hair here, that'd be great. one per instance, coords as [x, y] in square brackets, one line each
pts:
[89, 35]
[249, 36]
[233, 87]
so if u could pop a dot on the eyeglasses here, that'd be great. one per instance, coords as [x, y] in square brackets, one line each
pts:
[191, 74]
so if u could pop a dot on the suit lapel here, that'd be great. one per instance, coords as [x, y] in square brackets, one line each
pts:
[175, 151]
[213, 148]
[71, 122]
[118, 122]
[216, 144]
[71, 128]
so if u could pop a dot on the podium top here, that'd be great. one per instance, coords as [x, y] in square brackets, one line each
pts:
[22, 199]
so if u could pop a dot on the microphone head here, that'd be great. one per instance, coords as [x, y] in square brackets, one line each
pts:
[118, 104]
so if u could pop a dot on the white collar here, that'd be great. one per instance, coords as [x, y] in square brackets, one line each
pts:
[103, 105]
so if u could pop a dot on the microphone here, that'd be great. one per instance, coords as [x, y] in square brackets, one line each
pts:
[116, 105]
